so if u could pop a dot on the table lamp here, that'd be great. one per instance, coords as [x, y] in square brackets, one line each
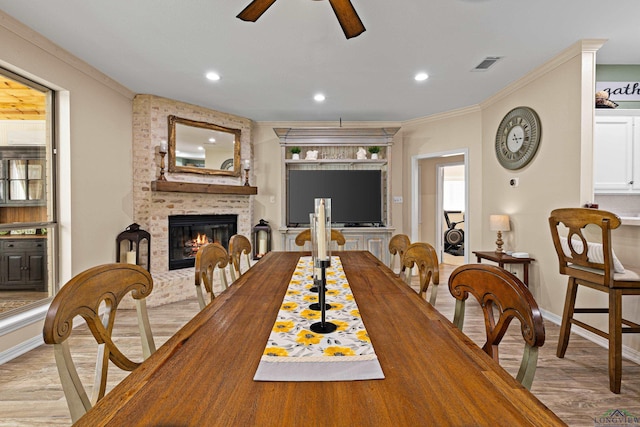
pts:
[499, 223]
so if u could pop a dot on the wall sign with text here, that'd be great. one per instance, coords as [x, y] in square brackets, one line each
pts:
[620, 91]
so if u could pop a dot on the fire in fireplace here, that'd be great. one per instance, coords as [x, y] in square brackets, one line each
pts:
[187, 233]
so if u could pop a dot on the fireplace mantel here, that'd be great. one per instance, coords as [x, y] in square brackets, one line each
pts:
[192, 187]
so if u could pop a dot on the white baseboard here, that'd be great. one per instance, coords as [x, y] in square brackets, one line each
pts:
[627, 352]
[21, 349]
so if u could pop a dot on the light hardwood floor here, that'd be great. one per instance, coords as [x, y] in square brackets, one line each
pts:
[576, 387]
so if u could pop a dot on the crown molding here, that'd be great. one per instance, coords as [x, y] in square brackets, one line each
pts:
[41, 42]
[578, 48]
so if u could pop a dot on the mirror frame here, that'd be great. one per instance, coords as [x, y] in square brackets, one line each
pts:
[173, 120]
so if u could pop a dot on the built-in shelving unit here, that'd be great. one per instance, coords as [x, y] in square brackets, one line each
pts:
[337, 148]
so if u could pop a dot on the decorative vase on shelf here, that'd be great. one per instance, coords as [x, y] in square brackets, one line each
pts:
[374, 156]
[295, 153]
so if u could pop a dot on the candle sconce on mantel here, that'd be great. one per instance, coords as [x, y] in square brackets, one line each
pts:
[162, 149]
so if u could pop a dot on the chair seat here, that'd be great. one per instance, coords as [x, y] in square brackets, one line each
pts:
[630, 274]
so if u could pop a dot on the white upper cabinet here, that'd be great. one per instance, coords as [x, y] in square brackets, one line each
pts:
[616, 154]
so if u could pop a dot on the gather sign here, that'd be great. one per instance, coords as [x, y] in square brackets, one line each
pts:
[620, 91]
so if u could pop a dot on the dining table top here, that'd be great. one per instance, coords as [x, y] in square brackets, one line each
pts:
[433, 373]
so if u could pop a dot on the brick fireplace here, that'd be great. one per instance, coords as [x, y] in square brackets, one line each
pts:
[152, 209]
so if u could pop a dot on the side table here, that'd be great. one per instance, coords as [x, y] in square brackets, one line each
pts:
[502, 258]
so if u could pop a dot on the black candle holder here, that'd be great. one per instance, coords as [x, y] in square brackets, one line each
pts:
[317, 284]
[323, 327]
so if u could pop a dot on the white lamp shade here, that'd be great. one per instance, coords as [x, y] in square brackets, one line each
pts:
[499, 223]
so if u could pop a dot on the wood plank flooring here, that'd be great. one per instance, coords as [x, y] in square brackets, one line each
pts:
[575, 388]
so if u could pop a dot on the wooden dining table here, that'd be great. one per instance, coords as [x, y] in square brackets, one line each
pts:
[434, 374]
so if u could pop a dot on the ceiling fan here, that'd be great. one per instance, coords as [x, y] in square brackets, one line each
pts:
[346, 14]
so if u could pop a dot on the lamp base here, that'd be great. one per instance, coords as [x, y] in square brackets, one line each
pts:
[499, 243]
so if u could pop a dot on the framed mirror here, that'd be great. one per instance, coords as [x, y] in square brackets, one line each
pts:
[205, 148]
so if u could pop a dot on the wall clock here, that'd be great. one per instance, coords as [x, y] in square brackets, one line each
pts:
[518, 138]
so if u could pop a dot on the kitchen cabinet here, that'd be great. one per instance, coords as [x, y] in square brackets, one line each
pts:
[22, 176]
[616, 154]
[23, 264]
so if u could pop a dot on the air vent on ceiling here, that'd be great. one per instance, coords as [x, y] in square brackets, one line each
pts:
[487, 63]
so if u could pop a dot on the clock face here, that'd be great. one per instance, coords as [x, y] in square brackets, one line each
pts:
[518, 138]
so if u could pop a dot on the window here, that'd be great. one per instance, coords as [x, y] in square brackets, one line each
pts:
[27, 194]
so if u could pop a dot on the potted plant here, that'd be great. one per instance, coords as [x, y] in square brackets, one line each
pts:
[374, 150]
[295, 153]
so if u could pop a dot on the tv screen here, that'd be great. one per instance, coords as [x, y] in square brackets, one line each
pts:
[356, 195]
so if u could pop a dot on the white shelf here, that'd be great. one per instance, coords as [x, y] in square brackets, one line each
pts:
[338, 161]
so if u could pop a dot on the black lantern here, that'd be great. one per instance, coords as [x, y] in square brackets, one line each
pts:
[128, 247]
[261, 239]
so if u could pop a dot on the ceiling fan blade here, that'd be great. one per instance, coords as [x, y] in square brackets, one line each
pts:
[348, 18]
[255, 9]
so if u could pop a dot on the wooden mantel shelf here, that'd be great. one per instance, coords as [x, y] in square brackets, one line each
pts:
[192, 187]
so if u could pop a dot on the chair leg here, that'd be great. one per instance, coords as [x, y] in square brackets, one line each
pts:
[567, 316]
[615, 340]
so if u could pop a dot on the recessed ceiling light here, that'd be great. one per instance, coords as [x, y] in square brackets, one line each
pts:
[420, 77]
[200, 148]
[319, 97]
[213, 76]
[212, 140]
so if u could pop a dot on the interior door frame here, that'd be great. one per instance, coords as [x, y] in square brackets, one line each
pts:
[415, 196]
[440, 227]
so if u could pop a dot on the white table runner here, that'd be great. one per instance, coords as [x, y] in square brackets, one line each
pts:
[295, 353]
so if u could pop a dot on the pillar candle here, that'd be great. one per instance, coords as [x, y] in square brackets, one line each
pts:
[131, 257]
[262, 242]
[322, 235]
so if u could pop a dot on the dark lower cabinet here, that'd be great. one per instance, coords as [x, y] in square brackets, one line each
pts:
[23, 264]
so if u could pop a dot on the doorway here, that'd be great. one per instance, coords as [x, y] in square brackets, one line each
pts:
[451, 202]
[439, 182]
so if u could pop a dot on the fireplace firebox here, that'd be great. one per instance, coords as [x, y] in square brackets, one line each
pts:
[187, 233]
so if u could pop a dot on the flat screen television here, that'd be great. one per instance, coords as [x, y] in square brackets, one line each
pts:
[356, 196]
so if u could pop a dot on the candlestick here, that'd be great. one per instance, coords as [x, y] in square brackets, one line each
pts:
[247, 165]
[162, 149]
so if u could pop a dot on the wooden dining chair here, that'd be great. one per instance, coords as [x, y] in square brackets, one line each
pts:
[95, 295]
[424, 256]
[238, 244]
[336, 236]
[593, 265]
[397, 246]
[209, 257]
[500, 293]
